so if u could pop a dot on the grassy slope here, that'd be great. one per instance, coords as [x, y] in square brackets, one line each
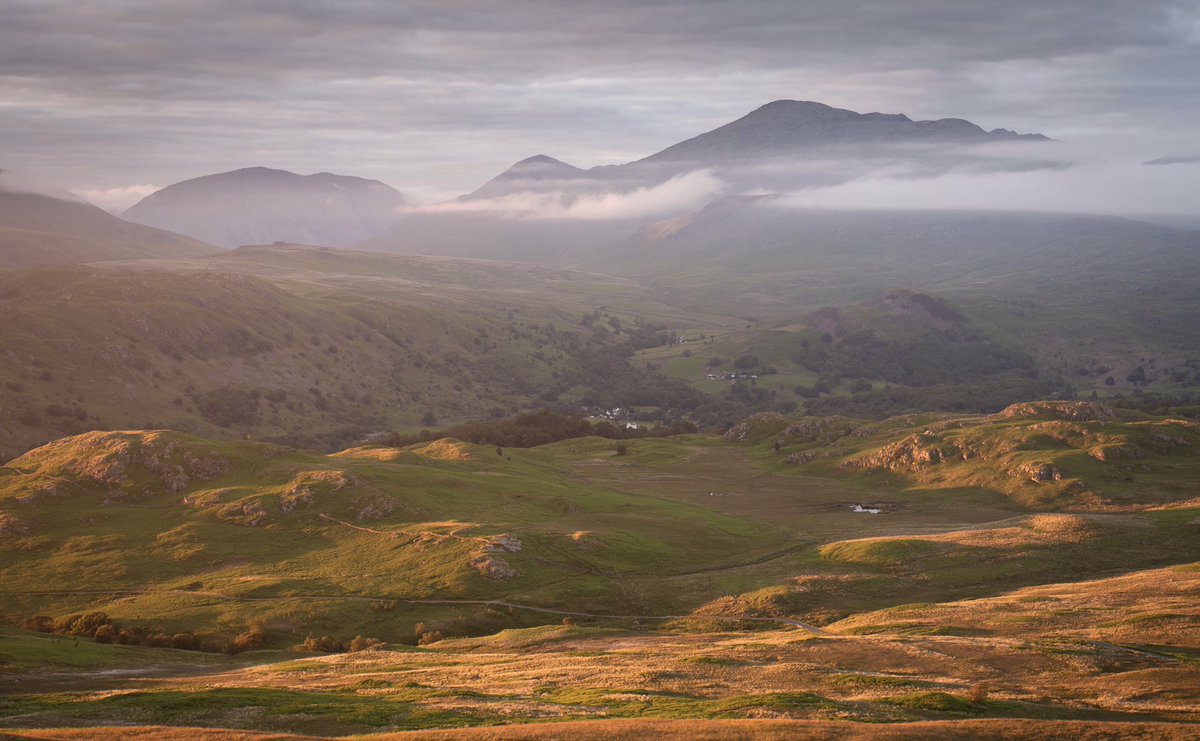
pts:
[39, 230]
[610, 533]
[335, 345]
[1046, 675]
[90, 515]
[224, 534]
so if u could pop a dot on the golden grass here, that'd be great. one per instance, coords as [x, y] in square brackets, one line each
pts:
[444, 450]
[1159, 606]
[684, 730]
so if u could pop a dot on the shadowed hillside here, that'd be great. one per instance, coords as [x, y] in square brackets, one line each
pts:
[41, 230]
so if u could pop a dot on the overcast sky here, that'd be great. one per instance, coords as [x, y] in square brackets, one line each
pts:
[113, 97]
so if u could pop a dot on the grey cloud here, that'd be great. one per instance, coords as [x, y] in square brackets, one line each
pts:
[443, 95]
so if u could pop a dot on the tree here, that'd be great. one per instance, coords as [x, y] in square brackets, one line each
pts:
[430, 419]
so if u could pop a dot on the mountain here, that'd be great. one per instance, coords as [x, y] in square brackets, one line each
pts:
[530, 173]
[41, 229]
[258, 205]
[791, 126]
[524, 213]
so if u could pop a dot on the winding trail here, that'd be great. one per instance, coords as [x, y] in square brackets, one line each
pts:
[412, 601]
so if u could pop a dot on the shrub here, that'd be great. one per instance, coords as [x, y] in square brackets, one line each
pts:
[81, 625]
[324, 644]
[432, 636]
[185, 642]
[247, 641]
[105, 634]
[361, 643]
[39, 623]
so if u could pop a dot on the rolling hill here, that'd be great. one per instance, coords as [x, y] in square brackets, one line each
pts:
[961, 602]
[40, 229]
[258, 205]
[309, 346]
[162, 528]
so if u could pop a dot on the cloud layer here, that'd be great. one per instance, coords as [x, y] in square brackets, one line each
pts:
[686, 192]
[440, 96]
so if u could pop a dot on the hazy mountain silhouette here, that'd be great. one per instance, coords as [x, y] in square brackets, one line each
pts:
[259, 205]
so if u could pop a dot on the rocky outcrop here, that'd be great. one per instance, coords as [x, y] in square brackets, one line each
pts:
[1116, 451]
[1040, 472]
[107, 460]
[307, 485]
[1071, 411]
[11, 525]
[248, 513]
[492, 566]
[488, 561]
[755, 426]
[913, 453]
[374, 508]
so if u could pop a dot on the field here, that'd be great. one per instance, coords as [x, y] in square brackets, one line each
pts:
[1037, 564]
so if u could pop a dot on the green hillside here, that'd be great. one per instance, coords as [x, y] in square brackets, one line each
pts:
[310, 347]
[175, 532]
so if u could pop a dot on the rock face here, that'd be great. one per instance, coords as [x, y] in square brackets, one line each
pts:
[258, 205]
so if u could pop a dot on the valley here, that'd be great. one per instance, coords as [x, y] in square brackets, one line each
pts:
[815, 424]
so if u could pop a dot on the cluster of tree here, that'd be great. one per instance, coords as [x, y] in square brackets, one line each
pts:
[978, 398]
[931, 357]
[740, 401]
[538, 428]
[97, 626]
[331, 645]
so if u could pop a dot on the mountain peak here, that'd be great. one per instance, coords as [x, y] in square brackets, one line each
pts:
[259, 205]
[787, 126]
[538, 167]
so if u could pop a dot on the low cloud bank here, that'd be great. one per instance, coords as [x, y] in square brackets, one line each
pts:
[115, 200]
[1096, 186]
[685, 192]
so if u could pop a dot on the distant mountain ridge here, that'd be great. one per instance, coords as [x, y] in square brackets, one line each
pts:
[785, 126]
[257, 205]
